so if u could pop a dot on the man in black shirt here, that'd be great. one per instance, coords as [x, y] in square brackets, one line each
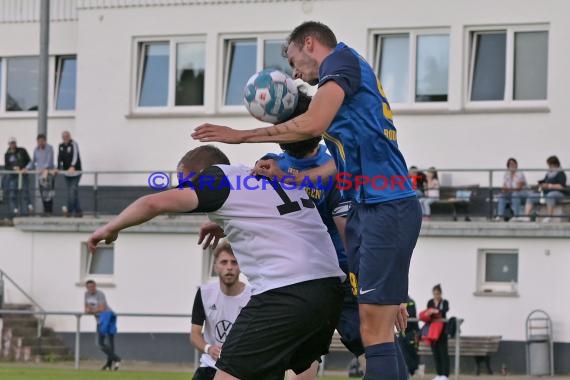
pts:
[69, 161]
[18, 186]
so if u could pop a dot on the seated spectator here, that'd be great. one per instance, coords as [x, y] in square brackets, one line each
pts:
[512, 191]
[418, 180]
[431, 194]
[553, 187]
[17, 185]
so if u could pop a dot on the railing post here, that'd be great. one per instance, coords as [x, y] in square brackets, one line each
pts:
[491, 194]
[95, 191]
[77, 339]
[458, 349]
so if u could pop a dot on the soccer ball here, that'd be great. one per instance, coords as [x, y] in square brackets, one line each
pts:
[271, 96]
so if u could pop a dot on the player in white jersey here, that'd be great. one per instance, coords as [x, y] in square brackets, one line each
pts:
[216, 307]
[284, 250]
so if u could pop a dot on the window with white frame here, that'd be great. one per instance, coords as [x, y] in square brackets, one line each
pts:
[498, 271]
[65, 83]
[100, 264]
[170, 73]
[508, 64]
[413, 66]
[243, 57]
[22, 75]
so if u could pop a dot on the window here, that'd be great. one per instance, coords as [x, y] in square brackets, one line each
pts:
[508, 65]
[65, 83]
[100, 264]
[171, 73]
[22, 78]
[413, 66]
[498, 271]
[243, 57]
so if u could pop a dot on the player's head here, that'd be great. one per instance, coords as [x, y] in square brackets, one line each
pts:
[91, 286]
[225, 264]
[300, 149]
[306, 47]
[200, 158]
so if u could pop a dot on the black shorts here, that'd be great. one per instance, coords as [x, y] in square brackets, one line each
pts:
[204, 373]
[281, 329]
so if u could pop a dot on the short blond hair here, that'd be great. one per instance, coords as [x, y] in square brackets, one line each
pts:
[223, 246]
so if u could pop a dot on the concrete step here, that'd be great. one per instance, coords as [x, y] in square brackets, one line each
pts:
[17, 306]
[19, 321]
[31, 332]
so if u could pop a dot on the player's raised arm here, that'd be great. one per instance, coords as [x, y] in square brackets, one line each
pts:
[144, 209]
[314, 122]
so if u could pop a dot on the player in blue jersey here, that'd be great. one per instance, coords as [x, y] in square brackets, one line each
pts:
[352, 113]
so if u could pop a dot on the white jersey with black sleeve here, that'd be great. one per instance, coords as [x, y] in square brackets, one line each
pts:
[276, 233]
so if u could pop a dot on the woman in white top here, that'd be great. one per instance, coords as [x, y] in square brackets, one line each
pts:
[431, 193]
[512, 191]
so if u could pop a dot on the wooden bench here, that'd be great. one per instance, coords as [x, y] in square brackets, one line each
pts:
[449, 196]
[478, 347]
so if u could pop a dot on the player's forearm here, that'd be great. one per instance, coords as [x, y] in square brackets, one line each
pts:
[300, 128]
[137, 213]
[198, 341]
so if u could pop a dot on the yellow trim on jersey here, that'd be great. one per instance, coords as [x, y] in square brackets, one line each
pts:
[336, 142]
[387, 111]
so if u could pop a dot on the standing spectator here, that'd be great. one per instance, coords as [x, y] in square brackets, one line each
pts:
[432, 192]
[216, 307]
[68, 160]
[553, 186]
[43, 162]
[17, 185]
[96, 304]
[419, 180]
[512, 191]
[437, 308]
[409, 340]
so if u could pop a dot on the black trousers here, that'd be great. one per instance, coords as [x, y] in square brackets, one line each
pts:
[441, 355]
[108, 349]
[204, 373]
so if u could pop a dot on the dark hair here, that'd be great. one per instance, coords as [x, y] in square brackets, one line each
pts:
[223, 247]
[90, 282]
[437, 287]
[202, 157]
[514, 161]
[553, 160]
[432, 169]
[320, 31]
[413, 167]
[41, 136]
[300, 149]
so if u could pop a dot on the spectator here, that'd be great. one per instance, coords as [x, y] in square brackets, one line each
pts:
[410, 339]
[419, 180]
[512, 191]
[43, 162]
[17, 185]
[437, 308]
[553, 186]
[96, 304]
[431, 194]
[68, 160]
[216, 307]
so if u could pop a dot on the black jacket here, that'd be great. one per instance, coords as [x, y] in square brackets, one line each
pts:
[19, 158]
[443, 307]
[68, 155]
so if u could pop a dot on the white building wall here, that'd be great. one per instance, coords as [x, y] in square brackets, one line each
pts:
[542, 283]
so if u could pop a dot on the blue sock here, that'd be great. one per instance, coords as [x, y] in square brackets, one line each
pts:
[381, 362]
[402, 367]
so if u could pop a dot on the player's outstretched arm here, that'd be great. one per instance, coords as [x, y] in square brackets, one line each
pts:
[144, 209]
[323, 109]
[317, 175]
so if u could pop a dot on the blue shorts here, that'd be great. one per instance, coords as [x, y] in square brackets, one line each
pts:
[349, 323]
[380, 240]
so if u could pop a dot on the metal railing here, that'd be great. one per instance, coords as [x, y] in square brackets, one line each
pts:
[40, 310]
[110, 191]
[79, 315]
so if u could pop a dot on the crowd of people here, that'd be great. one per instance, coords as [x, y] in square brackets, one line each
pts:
[17, 186]
[514, 192]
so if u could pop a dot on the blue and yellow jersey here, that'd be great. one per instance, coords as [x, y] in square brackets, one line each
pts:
[362, 138]
[326, 197]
